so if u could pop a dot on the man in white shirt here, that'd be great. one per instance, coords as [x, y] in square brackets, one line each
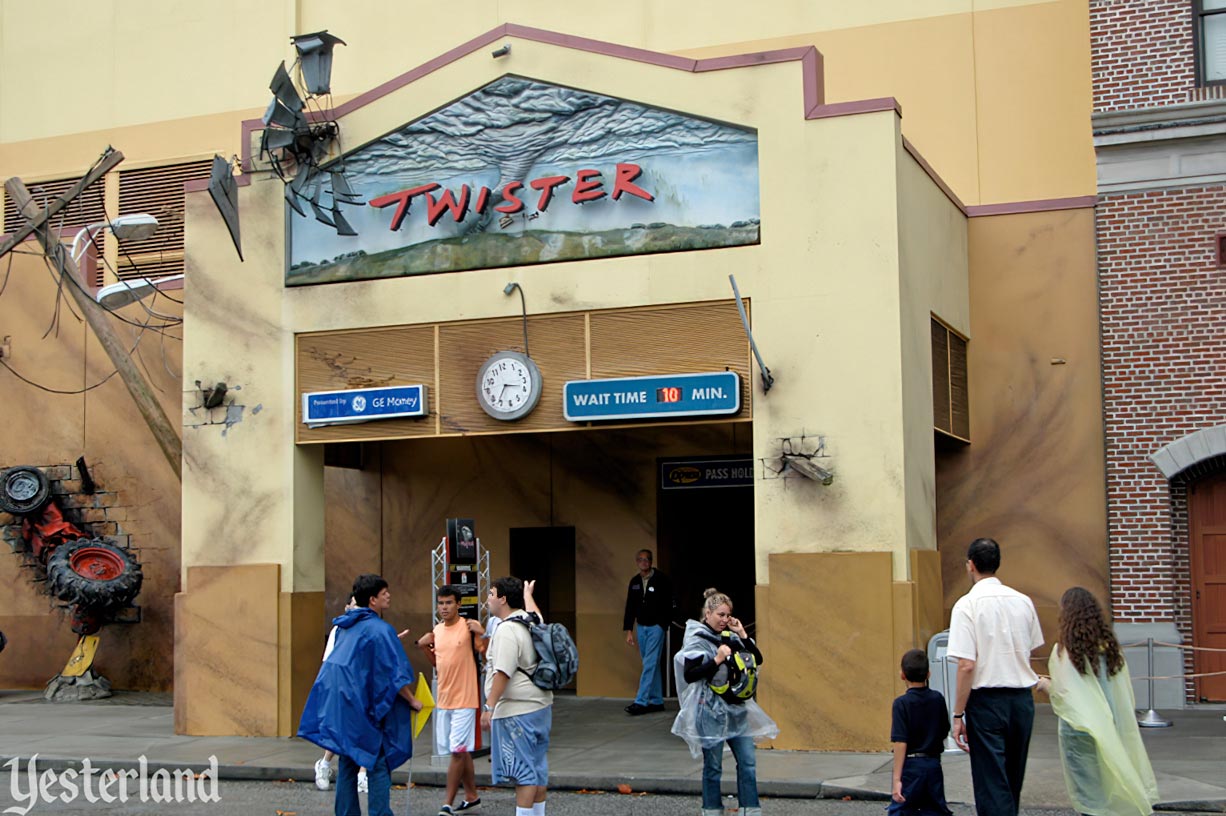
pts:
[518, 712]
[992, 631]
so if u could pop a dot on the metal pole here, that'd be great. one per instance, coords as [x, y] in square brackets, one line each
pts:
[1151, 718]
[668, 656]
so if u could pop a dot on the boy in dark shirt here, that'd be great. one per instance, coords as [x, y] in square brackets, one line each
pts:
[920, 725]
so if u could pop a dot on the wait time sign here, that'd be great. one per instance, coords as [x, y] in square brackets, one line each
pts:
[653, 397]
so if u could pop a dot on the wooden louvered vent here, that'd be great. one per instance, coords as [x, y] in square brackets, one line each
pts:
[950, 394]
[88, 208]
[157, 191]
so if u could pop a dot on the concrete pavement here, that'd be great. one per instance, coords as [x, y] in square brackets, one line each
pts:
[595, 745]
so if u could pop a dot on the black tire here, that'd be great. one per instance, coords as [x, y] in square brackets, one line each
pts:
[3, 641]
[115, 580]
[24, 490]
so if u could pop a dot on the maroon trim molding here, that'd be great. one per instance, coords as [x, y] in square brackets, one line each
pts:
[1040, 205]
[808, 56]
[199, 185]
[884, 103]
[812, 74]
[932, 174]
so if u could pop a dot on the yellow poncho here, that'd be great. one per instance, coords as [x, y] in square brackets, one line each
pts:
[1105, 765]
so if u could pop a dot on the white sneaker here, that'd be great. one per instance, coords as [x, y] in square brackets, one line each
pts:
[362, 786]
[323, 772]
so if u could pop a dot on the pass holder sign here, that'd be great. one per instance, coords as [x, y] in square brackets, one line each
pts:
[652, 397]
[320, 408]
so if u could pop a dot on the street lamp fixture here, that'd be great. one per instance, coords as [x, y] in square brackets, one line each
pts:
[135, 227]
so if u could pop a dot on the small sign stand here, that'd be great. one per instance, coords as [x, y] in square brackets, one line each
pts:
[475, 576]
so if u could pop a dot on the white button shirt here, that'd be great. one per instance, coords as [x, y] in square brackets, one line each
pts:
[996, 627]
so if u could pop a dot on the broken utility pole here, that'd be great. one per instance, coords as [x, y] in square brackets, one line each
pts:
[39, 223]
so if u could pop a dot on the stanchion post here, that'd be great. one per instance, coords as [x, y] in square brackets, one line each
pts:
[668, 656]
[1151, 718]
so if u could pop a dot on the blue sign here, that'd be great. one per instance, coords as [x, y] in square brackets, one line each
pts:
[657, 396]
[321, 408]
[688, 474]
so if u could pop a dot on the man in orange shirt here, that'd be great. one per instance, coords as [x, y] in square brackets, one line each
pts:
[451, 648]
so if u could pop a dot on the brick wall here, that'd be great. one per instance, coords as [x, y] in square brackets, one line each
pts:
[1163, 311]
[1141, 52]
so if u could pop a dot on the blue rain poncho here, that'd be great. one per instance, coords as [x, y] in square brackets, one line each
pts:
[1105, 765]
[705, 719]
[355, 708]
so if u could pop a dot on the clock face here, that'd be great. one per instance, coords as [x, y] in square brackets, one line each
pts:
[508, 385]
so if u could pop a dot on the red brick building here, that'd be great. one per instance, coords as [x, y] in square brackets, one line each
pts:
[1159, 69]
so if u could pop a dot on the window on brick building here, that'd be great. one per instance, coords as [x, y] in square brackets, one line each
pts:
[1210, 41]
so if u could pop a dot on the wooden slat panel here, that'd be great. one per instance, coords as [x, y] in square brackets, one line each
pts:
[87, 209]
[672, 340]
[959, 409]
[940, 377]
[157, 191]
[367, 359]
[557, 345]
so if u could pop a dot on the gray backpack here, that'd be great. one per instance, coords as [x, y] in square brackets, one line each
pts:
[556, 654]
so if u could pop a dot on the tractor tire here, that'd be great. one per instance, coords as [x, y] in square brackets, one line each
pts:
[24, 490]
[94, 573]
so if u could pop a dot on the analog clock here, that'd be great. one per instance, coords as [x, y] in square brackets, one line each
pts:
[508, 385]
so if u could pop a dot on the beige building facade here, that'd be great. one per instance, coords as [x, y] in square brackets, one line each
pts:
[915, 177]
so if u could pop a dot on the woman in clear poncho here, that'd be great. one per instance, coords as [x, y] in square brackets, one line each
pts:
[708, 719]
[1105, 765]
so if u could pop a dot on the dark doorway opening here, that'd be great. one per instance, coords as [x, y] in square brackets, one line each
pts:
[547, 555]
[705, 537]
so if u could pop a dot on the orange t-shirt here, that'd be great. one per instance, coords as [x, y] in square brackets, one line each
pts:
[457, 670]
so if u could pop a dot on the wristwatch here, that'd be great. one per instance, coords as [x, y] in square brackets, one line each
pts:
[486, 707]
[959, 716]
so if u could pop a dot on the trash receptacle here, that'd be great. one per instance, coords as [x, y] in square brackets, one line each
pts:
[943, 676]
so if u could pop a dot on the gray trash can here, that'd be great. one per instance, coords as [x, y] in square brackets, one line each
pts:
[943, 677]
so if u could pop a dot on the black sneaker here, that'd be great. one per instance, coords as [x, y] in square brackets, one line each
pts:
[634, 709]
[653, 707]
[467, 806]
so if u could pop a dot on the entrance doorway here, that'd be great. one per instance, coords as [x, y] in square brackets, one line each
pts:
[705, 537]
[547, 554]
[1207, 510]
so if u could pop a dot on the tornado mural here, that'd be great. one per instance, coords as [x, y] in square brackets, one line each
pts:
[522, 172]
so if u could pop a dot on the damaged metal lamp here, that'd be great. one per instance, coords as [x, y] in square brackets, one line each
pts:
[133, 227]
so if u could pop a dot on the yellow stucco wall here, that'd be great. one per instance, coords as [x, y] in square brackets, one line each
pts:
[996, 93]
[859, 246]
[833, 302]
[1034, 476]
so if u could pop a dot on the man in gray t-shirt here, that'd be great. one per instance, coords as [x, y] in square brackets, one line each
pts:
[518, 713]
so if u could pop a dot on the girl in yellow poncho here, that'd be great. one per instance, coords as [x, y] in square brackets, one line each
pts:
[1105, 765]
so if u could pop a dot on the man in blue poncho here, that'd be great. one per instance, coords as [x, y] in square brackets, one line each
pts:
[362, 703]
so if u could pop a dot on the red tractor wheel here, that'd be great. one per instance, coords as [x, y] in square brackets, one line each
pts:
[94, 573]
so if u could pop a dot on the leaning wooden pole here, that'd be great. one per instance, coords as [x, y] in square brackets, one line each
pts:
[165, 434]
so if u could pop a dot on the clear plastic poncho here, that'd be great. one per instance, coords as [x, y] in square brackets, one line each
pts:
[1105, 765]
[706, 719]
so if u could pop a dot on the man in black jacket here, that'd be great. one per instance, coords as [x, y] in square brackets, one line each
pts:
[649, 609]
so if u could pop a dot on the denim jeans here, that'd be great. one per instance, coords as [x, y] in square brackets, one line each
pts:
[651, 640]
[378, 780]
[746, 773]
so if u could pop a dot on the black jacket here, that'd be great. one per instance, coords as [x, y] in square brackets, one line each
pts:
[651, 608]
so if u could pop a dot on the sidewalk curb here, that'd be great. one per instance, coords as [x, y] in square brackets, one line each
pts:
[437, 777]
[1193, 806]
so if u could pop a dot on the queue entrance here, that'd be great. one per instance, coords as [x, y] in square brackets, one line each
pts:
[705, 534]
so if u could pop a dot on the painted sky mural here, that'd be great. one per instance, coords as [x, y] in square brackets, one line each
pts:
[523, 172]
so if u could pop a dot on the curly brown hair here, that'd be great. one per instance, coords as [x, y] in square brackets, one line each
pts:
[1085, 634]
